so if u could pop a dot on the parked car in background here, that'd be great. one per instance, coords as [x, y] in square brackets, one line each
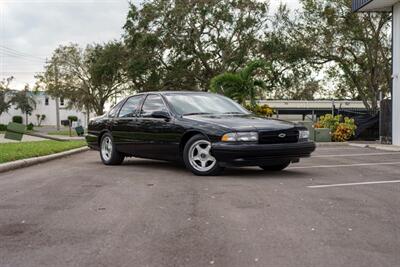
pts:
[208, 132]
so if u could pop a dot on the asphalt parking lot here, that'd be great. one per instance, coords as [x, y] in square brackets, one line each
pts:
[339, 208]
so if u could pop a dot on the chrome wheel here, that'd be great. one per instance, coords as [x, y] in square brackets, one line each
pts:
[106, 148]
[200, 157]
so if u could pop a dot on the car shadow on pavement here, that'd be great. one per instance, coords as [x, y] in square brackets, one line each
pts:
[154, 164]
[248, 173]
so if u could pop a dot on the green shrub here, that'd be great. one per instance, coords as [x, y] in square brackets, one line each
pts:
[342, 129]
[3, 127]
[17, 119]
[72, 118]
[29, 127]
[328, 121]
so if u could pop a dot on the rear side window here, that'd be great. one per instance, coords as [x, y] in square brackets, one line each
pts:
[151, 104]
[130, 107]
[113, 112]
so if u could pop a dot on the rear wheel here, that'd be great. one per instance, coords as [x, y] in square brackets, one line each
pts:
[108, 153]
[275, 167]
[197, 157]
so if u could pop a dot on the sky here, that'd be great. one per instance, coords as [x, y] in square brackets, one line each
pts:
[31, 29]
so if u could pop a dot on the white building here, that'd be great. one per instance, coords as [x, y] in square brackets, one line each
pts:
[394, 7]
[46, 105]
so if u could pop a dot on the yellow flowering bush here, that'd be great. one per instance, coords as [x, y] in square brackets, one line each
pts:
[342, 129]
[263, 110]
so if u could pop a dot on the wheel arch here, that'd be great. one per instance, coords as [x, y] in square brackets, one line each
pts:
[186, 137]
[101, 135]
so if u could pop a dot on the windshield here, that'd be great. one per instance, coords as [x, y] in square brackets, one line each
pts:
[203, 103]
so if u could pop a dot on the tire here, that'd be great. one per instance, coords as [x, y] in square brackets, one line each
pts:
[197, 157]
[277, 167]
[108, 152]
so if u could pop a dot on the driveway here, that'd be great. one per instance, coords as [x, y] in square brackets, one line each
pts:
[77, 212]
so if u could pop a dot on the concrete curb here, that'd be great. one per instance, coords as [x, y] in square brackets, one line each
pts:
[329, 144]
[359, 145]
[378, 147]
[8, 166]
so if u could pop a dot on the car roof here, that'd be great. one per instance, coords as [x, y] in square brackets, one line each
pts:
[174, 92]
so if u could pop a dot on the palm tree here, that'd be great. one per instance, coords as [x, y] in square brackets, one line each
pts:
[241, 86]
[25, 101]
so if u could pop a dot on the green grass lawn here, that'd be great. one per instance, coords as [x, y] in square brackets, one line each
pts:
[24, 150]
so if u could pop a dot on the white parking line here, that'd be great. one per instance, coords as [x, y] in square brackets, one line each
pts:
[357, 155]
[349, 184]
[345, 165]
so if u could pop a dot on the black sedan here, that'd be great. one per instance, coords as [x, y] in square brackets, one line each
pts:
[205, 131]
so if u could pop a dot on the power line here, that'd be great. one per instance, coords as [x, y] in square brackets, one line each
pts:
[20, 71]
[19, 53]
[6, 54]
[19, 58]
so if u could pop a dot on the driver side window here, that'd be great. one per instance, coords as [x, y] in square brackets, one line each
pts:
[130, 107]
[151, 104]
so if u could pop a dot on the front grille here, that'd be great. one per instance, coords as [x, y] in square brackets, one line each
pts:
[272, 137]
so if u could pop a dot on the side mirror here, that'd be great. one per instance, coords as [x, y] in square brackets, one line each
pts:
[160, 115]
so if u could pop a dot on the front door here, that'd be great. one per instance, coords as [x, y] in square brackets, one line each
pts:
[158, 137]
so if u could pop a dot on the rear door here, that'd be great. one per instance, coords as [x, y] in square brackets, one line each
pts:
[125, 125]
[158, 137]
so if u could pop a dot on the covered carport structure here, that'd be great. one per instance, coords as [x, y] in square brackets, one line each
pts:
[394, 7]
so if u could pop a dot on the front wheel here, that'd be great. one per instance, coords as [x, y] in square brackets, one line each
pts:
[197, 157]
[276, 167]
[108, 153]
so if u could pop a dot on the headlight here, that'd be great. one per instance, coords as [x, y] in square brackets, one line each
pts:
[304, 134]
[240, 137]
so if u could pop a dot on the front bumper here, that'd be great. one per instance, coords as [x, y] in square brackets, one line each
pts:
[242, 154]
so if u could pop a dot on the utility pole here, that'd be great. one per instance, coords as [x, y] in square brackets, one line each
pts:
[57, 98]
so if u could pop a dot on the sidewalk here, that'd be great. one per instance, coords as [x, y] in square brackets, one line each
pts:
[25, 138]
[28, 138]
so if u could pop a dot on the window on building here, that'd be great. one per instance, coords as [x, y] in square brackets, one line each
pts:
[61, 101]
[46, 101]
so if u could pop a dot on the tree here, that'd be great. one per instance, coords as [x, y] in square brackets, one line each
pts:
[242, 85]
[5, 95]
[24, 100]
[88, 77]
[353, 48]
[290, 76]
[180, 44]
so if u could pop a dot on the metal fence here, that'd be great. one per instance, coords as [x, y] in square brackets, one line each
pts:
[386, 122]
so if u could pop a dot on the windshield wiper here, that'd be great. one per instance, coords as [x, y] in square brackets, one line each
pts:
[196, 113]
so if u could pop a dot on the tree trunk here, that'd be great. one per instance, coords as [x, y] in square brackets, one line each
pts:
[87, 117]
[100, 108]
[99, 111]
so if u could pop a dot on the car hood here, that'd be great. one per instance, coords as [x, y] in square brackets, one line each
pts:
[243, 122]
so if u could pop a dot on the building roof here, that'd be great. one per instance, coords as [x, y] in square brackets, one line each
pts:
[373, 5]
